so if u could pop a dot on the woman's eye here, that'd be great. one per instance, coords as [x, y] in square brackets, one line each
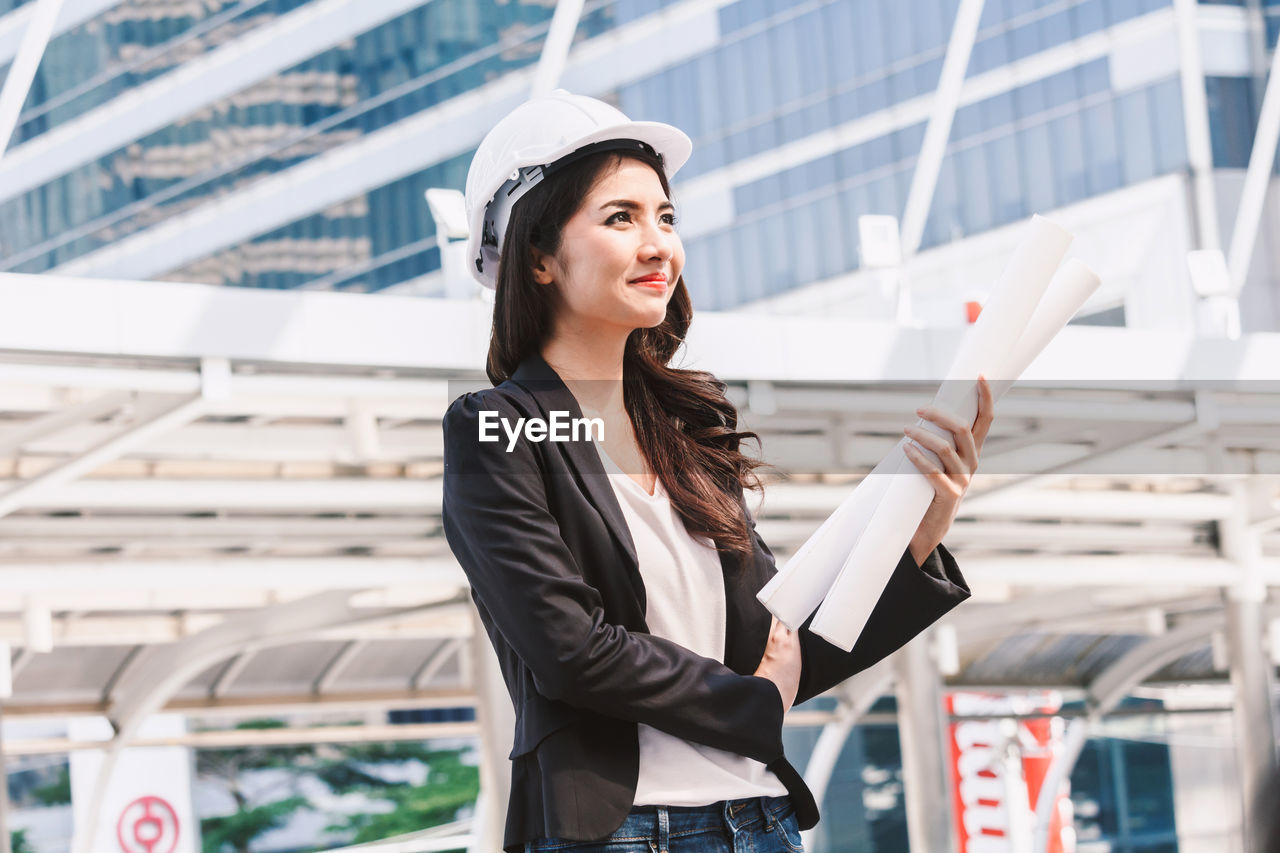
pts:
[670, 218]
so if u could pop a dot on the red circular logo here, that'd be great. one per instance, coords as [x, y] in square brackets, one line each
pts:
[147, 825]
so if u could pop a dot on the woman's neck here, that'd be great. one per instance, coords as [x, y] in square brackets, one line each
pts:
[591, 367]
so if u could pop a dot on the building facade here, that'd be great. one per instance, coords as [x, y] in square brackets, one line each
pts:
[286, 143]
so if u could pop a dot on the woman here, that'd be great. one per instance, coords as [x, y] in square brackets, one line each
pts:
[616, 577]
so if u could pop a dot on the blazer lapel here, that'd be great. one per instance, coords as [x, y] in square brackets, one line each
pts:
[744, 629]
[548, 389]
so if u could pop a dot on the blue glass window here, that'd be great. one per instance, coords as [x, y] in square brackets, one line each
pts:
[837, 21]
[1068, 155]
[975, 195]
[899, 21]
[1231, 120]
[1137, 146]
[1098, 123]
[1170, 135]
[869, 39]
[1088, 17]
[1006, 184]
[1037, 168]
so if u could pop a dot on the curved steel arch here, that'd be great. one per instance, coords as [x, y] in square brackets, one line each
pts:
[1104, 693]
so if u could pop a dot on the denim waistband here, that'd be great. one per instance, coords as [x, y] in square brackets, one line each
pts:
[659, 823]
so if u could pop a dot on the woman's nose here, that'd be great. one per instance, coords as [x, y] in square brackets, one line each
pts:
[658, 243]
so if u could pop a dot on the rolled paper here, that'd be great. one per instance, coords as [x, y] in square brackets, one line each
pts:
[1070, 289]
[798, 588]
[1006, 314]
[887, 530]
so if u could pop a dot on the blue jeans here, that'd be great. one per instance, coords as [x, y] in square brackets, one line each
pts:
[746, 825]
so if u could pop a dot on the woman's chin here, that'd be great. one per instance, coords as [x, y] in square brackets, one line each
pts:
[652, 319]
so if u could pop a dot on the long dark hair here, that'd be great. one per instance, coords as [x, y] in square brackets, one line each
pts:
[685, 426]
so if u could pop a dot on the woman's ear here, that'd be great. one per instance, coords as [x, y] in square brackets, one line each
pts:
[541, 266]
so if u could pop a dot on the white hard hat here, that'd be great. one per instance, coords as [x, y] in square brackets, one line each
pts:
[534, 140]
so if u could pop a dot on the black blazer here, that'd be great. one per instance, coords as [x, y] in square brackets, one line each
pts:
[554, 574]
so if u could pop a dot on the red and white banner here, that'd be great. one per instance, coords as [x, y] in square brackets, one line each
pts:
[998, 766]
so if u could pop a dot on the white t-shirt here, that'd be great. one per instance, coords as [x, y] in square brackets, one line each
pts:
[684, 589]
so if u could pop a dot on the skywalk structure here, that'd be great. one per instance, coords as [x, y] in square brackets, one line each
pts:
[225, 500]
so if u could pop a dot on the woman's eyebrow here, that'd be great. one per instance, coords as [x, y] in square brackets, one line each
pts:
[631, 205]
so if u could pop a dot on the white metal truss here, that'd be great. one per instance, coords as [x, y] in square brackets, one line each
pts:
[555, 49]
[17, 83]
[143, 689]
[925, 177]
[74, 13]
[1257, 179]
[410, 145]
[1196, 123]
[124, 545]
[260, 53]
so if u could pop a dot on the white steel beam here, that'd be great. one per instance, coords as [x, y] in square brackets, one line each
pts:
[334, 669]
[1195, 111]
[857, 695]
[258, 705]
[146, 687]
[497, 726]
[923, 733]
[300, 494]
[17, 83]
[266, 50]
[423, 498]
[446, 651]
[266, 444]
[555, 50]
[410, 145]
[190, 321]
[1106, 570]
[230, 672]
[282, 574]
[819, 499]
[193, 321]
[165, 419]
[224, 738]
[938, 130]
[74, 13]
[1257, 179]
[54, 422]
[1104, 694]
[159, 627]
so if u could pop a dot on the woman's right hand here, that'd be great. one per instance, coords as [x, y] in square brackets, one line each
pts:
[781, 662]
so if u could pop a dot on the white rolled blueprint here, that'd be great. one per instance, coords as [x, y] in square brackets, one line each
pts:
[844, 566]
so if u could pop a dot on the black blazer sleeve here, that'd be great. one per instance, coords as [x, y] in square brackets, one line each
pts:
[497, 522]
[914, 598]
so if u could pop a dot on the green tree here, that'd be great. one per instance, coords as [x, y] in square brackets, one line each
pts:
[238, 829]
[250, 820]
[18, 842]
[56, 793]
[450, 785]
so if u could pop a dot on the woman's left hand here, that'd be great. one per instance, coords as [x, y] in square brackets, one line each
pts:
[959, 464]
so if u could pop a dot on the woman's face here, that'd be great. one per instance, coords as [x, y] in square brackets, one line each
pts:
[623, 231]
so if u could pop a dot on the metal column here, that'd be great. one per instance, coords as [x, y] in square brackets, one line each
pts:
[1252, 712]
[922, 729]
[4, 786]
[497, 734]
[1255, 734]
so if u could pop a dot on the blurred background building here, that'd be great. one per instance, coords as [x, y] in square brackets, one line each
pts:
[180, 458]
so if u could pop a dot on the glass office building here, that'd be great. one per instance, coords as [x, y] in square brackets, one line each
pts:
[804, 115]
